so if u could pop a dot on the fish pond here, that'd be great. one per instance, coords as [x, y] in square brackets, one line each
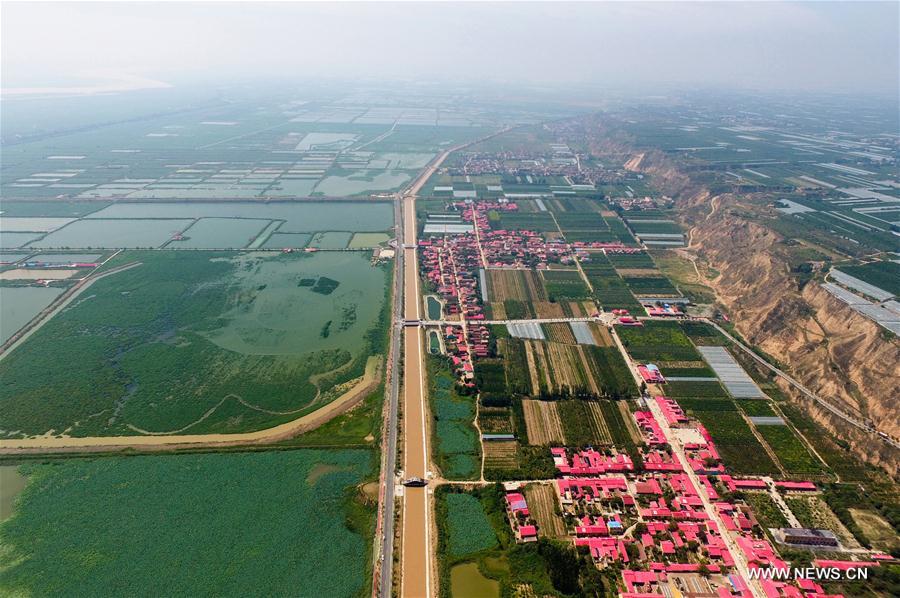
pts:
[19, 305]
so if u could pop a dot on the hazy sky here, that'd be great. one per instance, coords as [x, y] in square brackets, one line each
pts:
[840, 46]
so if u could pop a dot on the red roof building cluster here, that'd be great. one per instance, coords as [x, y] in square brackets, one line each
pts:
[672, 411]
[520, 518]
[590, 462]
[651, 374]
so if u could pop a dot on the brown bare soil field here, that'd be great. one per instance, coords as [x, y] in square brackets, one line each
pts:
[521, 285]
[546, 309]
[574, 309]
[498, 311]
[36, 274]
[501, 454]
[541, 500]
[559, 332]
[601, 335]
[876, 529]
[543, 423]
[681, 364]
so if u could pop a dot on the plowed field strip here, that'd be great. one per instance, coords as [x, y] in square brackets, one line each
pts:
[600, 426]
[630, 424]
[543, 423]
[541, 499]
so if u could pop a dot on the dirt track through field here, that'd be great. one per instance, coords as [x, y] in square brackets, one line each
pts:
[284, 431]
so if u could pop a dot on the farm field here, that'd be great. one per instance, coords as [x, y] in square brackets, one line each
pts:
[129, 524]
[658, 341]
[501, 455]
[520, 294]
[767, 512]
[789, 449]
[584, 423]
[565, 284]
[878, 531]
[542, 420]
[682, 274]
[883, 274]
[197, 342]
[813, 512]
[542, 503]
[545, 369]
[680, 389]
[609, 288]
[738, 447]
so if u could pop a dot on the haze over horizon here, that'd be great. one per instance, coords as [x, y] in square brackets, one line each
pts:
[800, 46]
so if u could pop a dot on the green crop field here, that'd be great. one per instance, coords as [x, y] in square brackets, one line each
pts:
[789, 449]
[565, 284]
[658, 341]
[456, 445]
[694, 389]
[631, 260]
[197, 342]
[651, 286]
[884, 275]
[468, 528]
[702, 333]
[239, 524]
[611, 371]
[739, 448]
[609, 288]
[757, 408]
[767, 512]
[536, 221]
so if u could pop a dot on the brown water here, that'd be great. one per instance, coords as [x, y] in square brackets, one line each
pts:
[466, 581]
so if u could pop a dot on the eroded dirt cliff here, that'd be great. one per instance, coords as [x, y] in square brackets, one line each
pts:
[840, 355]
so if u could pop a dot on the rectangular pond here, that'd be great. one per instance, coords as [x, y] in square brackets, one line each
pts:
[220, 233]
[299, 217]
[110, 234]
[18, 305]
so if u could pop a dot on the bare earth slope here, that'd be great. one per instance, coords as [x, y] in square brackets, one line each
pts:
[835, 352]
